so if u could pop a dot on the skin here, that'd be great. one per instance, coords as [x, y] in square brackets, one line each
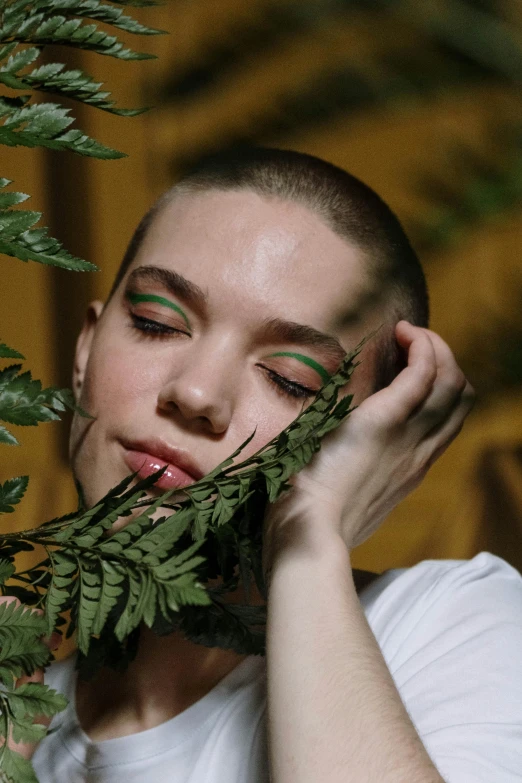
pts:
[206, 392]
[161, 300]
[256, 258]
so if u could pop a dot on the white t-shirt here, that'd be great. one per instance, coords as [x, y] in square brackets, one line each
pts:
[451, 634]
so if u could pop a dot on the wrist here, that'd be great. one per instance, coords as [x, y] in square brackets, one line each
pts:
[319, 548]
[307, 570]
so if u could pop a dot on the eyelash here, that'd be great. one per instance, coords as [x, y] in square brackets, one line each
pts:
[153, 327]
[289, 387]
[282, 385]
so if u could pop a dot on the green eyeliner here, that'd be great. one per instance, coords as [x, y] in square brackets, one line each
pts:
[136, 298]
[325, 376]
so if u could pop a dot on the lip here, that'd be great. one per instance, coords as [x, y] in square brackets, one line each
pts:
[147, 456]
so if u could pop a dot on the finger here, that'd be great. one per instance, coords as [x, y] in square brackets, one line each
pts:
[449, 385]
[413, 384]
[53, 641]
[8, 599]
[36, 676]
[443, 436]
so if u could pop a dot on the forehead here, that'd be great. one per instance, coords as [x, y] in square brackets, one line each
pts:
[254, 254]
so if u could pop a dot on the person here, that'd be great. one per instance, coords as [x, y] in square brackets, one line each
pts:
[240, 293]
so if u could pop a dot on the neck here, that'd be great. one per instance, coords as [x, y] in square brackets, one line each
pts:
[168, 675]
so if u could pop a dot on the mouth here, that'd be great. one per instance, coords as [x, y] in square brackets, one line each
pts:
[147, 457]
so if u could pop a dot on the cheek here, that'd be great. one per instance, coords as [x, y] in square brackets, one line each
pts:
[267, 420]
[117, 378]
[117, 386]
[361, 386]
[362, 382]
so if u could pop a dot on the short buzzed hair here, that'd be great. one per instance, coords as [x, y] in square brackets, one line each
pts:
[349, 207]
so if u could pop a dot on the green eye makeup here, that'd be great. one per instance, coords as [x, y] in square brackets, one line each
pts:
[325, 376]
[136, 298]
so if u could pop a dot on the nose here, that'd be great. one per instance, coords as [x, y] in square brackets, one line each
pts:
[201, 386]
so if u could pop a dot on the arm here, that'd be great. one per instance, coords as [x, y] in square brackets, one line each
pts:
[334, 714]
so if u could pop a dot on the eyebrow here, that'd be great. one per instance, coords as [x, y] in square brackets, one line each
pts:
[175, 283]
[276, 329]
[302, 334]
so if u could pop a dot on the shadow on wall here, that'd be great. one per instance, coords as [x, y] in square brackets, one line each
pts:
[499, 481]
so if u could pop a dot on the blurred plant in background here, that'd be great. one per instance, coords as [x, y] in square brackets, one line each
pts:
[26, 28]
[403, 51]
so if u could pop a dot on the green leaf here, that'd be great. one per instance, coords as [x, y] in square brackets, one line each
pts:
[6, 352]
[11, 199]
[35, 245]
[7, 438]
[34, 699]
[55, 602]
[20, 707]
[7, 569]
[229, 626]
[31, 244]
[43, 125]
[113, 576]
[89, 599]
[133, 589]
[13, 223]
[15, 768]
[93, 9]
[13, 616]
[6, 49]
[42, 28]
[19, 60]
[24, 402]
[73, 84]
[21, 648]
[11, 493]
[25, 731]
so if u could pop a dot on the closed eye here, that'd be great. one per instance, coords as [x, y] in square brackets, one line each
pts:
[288, 388]
[282, 385]
[148, 326]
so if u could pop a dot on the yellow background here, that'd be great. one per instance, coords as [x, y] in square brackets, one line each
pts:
[472, 498]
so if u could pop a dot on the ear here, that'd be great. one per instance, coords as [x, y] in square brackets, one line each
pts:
[83, 346]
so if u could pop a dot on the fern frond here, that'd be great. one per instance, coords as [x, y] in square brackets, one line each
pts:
[19, 240]
[100, 11]
[14, 767]
[7, 438]
[53, 78]
[43, 125]
[74, 84]
[36, 245]
[5, 351]
[11, 493]
[20, 707]
[23, 401]
[21, 648]
[32, 23]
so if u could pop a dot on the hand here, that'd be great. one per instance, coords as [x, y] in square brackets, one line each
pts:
[377, 456]
[27, 749]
